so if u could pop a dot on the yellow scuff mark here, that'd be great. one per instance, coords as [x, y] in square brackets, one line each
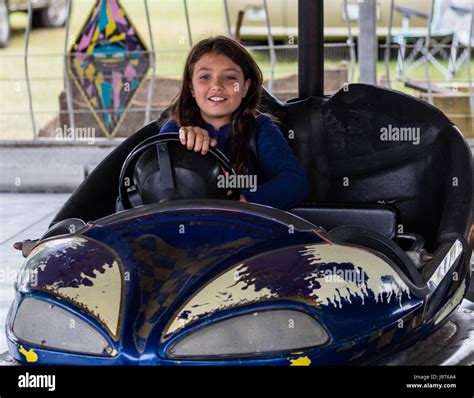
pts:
[111, 351]
[102, 298]
[30, 355]
[301, 361]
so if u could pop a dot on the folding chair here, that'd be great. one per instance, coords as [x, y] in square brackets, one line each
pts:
[440, 29]
[463, 31]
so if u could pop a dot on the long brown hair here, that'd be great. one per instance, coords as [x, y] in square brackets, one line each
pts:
[185, 111]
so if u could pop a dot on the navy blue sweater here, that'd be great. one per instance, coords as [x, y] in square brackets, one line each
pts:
[286, 184]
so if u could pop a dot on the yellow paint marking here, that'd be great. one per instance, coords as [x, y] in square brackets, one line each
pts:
[30, 355]
[302, 361]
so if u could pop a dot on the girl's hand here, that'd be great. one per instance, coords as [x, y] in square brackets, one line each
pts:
[196, 138]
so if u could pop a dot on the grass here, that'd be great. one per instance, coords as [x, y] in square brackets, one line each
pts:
[170, 37]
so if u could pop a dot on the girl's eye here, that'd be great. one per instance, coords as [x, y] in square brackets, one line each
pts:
[231, 78]
[204, 77]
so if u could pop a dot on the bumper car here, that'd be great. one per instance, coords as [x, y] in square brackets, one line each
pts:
[173, 272]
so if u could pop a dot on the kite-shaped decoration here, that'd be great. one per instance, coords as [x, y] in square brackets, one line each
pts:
[108, 61]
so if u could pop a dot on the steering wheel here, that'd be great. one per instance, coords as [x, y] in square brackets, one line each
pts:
[161, 169]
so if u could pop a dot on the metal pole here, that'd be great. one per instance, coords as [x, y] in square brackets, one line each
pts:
[188, 24]
[67, 83]
[27, 76]
[271, 46]
[368, 42]
[227, 18]
[427, 47]
[153, 67]
[310, 48]
[350, 42]
[388, 43]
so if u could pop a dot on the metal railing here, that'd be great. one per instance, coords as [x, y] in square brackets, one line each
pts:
[278, 63]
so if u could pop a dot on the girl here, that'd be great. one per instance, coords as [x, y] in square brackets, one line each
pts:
[216, 105]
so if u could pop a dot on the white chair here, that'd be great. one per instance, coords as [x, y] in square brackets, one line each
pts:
[463, 32]
[413, 51]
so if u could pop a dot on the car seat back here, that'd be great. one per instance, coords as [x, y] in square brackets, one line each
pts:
[369, 145]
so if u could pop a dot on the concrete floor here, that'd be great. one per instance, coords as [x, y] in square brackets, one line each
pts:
[22, 216]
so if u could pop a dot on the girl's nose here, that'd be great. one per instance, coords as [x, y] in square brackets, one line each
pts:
[217, 83]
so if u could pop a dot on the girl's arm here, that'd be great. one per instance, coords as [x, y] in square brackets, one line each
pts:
[169, 127]
[286, 184]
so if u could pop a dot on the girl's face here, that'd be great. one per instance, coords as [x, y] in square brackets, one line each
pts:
[218, 85]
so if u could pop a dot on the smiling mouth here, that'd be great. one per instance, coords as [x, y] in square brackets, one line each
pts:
[217, 99]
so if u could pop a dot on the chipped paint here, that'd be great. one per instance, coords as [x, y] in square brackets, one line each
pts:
[226, 291]
[81, 270]
[73, 243]
[100, 294]
[386, 338]
[379, 277]
[301, 361]
[347, 346]
[453, 303]
[375, 335]
[29, 355]
[358, 355]
[297, 275]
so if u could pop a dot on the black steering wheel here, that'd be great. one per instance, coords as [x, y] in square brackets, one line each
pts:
[161, 169]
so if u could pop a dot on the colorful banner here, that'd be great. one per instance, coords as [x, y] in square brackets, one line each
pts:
[108, 62]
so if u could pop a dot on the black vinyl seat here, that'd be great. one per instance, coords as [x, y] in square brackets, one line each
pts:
[427, 180]
[380, 218]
